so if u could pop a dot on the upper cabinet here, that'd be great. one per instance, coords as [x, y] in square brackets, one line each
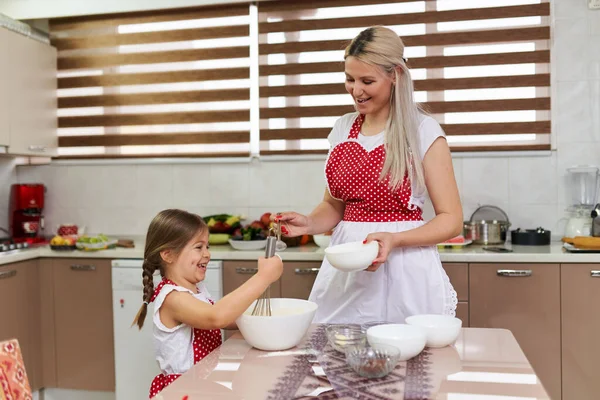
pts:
[28, 87]
[4, 124]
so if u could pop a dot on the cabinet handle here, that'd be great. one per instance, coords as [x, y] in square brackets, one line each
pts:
[8, 274]
[250, 271]
[306, 271]
[79, 267]
[37, 148]
[595, 274]
[514, 272]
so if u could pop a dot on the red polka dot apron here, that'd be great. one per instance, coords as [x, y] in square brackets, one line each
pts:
[204, 341]
[412, 280]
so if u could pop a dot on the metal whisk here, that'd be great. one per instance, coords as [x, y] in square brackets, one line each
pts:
[263, 304]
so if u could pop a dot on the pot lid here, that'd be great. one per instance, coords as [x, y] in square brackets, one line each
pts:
[489, 214]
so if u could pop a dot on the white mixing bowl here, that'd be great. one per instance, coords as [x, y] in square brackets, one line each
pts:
[322, 240]
[440, 330]
[288, 324]
[408, 338]
[353, 256]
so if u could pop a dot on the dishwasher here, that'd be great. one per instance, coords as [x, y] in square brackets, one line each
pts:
[135, 364]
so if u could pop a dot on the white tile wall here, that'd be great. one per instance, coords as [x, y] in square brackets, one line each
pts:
[121, 199]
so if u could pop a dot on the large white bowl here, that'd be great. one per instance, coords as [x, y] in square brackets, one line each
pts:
[322, 240]
[248, 244]
[353, 256]
[408, 338]
[440, 330]
[278, 332]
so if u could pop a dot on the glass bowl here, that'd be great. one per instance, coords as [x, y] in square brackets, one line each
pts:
[342, 335]
[374, 361]
[370, 324]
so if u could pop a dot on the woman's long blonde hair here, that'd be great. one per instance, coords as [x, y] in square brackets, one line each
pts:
[169, 230]
[381, 47]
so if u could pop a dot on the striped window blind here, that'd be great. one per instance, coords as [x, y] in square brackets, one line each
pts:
[177, 82]
[161, 83]
[480, 68]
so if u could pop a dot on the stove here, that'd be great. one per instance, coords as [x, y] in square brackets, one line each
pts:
[8, 244]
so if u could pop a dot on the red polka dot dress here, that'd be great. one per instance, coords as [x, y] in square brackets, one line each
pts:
[179, 348]
[412, 281]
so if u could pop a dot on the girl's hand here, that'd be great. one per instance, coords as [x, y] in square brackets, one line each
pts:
[292, 223]
[270, 268]
[386, 243]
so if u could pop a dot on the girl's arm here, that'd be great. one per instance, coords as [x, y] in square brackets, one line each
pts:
[182, 307]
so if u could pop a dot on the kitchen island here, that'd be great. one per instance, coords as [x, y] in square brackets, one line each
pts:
[483, 363]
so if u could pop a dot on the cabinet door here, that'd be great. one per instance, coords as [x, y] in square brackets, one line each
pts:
[580, 331]
[524, 298]
[235, 273]
[20, 314]
[33, 99]
[4, 90]
[298, 279]
[84, 324]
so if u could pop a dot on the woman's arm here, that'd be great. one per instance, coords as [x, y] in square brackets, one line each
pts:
[323, 218]
[182, 307]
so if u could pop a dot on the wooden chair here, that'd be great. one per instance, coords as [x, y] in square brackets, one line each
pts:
[14, 384]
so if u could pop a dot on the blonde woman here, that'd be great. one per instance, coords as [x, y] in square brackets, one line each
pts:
[383, 160]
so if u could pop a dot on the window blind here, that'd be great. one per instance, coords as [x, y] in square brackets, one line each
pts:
[480, 68]
[150, 84]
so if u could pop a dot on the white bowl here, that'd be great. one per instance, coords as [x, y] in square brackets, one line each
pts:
[322, 240]
[280, 331]
[248, 244]
[440, 330]
[408, 338]
[353, 256]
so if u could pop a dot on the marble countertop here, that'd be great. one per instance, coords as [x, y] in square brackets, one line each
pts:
[482, 363]
[553, 253]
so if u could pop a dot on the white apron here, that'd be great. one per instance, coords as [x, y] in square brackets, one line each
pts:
[412, 280]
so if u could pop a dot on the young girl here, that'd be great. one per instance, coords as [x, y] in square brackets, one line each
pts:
[383, 159]
[186, 321]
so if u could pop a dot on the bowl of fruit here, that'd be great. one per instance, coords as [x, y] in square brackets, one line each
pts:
[63, 243]
[93, 243]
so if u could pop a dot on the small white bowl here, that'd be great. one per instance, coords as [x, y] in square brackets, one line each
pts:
[409, 339]
[248, 244]
[440, 330]
[322, 240]
[288, 324]
[353, 256]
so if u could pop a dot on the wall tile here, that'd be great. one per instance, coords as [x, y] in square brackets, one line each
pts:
[485, 180]
[532, 180]
[270, 184]
[191, 186]
[572, 63]
[307, 183]
[229, 185]
[574, 120]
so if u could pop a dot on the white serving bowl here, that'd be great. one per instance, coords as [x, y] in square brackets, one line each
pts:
[440, 330]
[353, 256]
[408, 338]
[248, 244]
[279, 331]
[322, 240]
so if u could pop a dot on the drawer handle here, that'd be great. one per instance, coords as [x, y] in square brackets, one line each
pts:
[37, 148]
[306, 271]
[246, 271]
[80, 267]
[514, 272]
[8, 274]
[595, 274]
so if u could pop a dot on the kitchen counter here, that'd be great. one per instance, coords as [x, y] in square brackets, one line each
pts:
[470, 254]
[482, 363]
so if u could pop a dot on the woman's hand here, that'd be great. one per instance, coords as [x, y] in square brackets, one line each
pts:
[386, 244]
[292, 223]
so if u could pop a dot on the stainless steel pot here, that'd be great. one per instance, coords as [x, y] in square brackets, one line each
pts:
[488, 225]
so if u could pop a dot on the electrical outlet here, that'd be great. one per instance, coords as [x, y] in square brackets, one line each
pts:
[594, 4]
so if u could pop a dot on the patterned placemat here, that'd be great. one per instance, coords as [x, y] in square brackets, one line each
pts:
[321, 372]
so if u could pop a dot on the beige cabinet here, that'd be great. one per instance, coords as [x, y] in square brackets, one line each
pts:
[235, 273]
[31, 75]
[524, 298]
[4, 93]
[580, 297]
[298, 278]
[19, 295]
[83, 324]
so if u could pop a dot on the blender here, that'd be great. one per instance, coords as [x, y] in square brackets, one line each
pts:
[583, 185]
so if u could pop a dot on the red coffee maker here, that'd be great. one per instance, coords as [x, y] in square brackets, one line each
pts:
[25, 212]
